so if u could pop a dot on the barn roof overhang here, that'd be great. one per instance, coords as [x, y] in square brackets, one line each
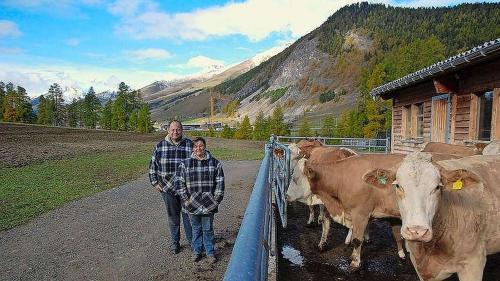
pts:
[471, 57]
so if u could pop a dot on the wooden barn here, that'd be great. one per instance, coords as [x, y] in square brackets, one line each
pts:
[454, 101]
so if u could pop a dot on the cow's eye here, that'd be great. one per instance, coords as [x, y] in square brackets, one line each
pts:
[437, 188]
[397, 186]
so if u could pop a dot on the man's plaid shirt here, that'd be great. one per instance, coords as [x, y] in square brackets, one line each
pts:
[200, 184]
[165, 159]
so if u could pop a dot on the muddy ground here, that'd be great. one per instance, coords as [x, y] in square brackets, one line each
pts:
[23, 145]
[380, 261]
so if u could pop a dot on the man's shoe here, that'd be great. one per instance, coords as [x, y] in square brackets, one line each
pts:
[176, 250]
[211, 259]
[196, 257]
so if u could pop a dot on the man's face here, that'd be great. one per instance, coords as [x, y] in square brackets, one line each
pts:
[199, 149]
[175, 131]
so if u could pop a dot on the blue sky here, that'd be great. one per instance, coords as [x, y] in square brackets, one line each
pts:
[99, 43]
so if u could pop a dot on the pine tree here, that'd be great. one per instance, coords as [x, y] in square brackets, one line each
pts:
[328, 127]
[119, 120]
[245, 129]
[277, 123]
[42, 111]
[9, 104]
[56, 95]
[133, 121]
[260, 131]
[305, 128]
[76, 113]
[2, 97]
[107, 116]
[227, 132]
[144, 124]
[91, 109]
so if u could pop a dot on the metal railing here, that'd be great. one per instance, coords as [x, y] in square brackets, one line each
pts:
[370, 145]
[249, 259]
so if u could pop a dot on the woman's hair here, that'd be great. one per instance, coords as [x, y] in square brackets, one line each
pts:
[200, 139]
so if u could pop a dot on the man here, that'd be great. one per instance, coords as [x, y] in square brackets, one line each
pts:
[199, 181]
[167, 155]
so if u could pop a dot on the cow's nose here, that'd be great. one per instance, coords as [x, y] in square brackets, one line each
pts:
[419, 233]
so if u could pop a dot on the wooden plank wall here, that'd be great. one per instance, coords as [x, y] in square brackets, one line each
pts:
[462, 118]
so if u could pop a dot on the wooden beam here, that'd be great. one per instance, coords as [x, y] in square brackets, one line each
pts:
[495, 115]
[473, 120]
[454, 99]
[445, 85]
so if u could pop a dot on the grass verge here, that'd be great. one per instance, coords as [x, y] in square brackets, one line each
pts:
[29, 191]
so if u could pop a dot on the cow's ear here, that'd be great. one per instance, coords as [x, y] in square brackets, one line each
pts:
[380, 178]
[458, 179]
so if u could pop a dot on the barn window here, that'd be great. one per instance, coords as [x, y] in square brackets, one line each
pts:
[420, 120]
[485, 109]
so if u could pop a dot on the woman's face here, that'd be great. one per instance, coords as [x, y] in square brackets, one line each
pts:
[199, 149]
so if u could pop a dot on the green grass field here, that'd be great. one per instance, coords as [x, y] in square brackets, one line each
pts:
[29, 191]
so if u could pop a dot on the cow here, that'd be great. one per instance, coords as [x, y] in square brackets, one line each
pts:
[299, 190]
[340, 186]
[450, 211]
[453, 149]
[493, 148]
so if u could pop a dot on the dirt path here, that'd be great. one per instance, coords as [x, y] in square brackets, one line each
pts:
[120, 234]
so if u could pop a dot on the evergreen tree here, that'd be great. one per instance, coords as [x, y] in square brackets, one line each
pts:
[76, 113]
[277, 123]
[9, 104]
[91, 108]
[245, 129]
[2, 97]
[227, 132]
[260, 131]
[119, 119]
[305, 128]
[328, 126]
[42, 111]
[144, 124]
[107, 116]
[133, 120]
[56, 95]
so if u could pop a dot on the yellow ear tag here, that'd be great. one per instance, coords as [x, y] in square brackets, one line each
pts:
[457, 185]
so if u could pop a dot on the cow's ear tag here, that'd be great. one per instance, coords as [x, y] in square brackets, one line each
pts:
[457, 185]
[382, 180]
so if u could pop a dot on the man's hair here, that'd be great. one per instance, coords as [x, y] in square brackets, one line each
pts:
[175, 121]
[200, 139]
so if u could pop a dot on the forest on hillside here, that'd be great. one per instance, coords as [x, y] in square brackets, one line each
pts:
[404, 40]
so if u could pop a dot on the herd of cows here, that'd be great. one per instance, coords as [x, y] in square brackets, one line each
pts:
[443, 202]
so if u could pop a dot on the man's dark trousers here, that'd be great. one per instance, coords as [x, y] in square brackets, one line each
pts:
[174, 207]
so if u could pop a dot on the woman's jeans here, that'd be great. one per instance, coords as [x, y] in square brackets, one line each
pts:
[203, 233]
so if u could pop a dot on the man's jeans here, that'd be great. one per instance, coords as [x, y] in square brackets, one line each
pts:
[174, 208]
[203, 225]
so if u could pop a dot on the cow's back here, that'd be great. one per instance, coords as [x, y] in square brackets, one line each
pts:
[445, 148]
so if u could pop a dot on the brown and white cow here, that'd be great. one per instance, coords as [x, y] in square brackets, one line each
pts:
[299, 188]
[493, 148]
[450, 212]
[341, 188]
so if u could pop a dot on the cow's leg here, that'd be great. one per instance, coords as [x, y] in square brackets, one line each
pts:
[473, 269]
[310, 221]
[325, 227]
[321, 216]
[348, 238]
[359, 224]
[396, 232]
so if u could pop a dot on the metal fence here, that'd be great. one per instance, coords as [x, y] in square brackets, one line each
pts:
[364, 145]
[255, 245]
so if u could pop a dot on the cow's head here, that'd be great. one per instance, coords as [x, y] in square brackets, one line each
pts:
[419, 187]
[299, 187]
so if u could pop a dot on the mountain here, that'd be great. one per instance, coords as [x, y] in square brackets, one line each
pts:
[188, 97]
[331, 69]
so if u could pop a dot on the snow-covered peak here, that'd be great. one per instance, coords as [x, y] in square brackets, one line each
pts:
[267, 54]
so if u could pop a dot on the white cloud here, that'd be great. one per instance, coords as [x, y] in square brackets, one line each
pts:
[10, 51]
[147, 54]
[129, 8]
[9, 29]
[37, 79]
[204, 63]
[73, 42]
[255, 19]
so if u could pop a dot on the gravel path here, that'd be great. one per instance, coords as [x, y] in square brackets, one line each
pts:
[121, 234]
